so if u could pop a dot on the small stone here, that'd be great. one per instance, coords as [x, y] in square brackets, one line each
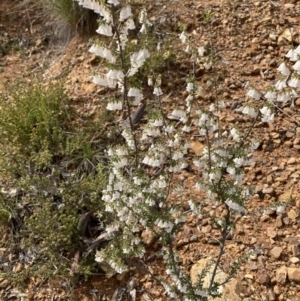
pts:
[276, 252]
[294, 274]
[286, 220]
[294, 260]
[268, 190]
[296, 141]
[197, 148]
[295, 250]
[281, 275]
[277, 290]
[292, 214]
[263, 278]
[253, 266]
[261, 261]
[278, 222]
[4, 283]
[206, 229]
[292, 161]
[271, 232]
[271, 295]
[249, 276]
[18, 267]
[148, 237]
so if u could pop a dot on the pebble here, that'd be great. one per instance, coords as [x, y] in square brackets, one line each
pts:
[281, 275]
[271, 232]
[263, 278]
[294, 260]
[276, 252]
[294, 274]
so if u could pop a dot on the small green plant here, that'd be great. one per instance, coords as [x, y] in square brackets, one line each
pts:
[50, 168]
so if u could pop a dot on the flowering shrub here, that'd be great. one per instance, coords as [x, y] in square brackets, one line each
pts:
[140, 187]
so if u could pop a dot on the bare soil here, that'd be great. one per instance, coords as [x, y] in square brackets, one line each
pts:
[251, 38]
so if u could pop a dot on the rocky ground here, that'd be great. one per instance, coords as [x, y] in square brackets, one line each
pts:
[251, 38]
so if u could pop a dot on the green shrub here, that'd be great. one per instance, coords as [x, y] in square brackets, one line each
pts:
[52, 176]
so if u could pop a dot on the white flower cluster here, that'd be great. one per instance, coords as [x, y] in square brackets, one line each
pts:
[284, 90]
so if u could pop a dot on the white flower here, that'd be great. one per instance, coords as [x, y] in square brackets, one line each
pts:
[113, 106]
[190, 87]
[170, 129]
[239, 162]
[179, 114]
[150, 81]
[201, 51]
[105, 29]
[267, 114]
[214, 175]
[249, 111]
[186, 129]
[203, 120]
[271, 96]
[100, 80]
[283, 97]
[157, 91]
[235, 135]
[280, 85]
[283, 69]
[296, 66]
[158, 122]
[137, 60]
[114, 2]
[231, 170]
[143, 17]
[294, 82]
[235, 206]
[130, 24]
[136, 93]
[125, 13]
[292, 55]
[119, 164]
[207, 65]
[183, 37]
[108, 55]
[253, 93]
[115, 74]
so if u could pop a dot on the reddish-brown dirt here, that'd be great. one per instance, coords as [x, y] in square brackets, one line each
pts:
[251, 38]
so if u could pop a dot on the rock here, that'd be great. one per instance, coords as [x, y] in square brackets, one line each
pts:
[278, 222]
[206, 229]
[271, 295]
[286, 36]
[263, 278]
[268, 190]
[197, 148]
[294, 260]
[276, 252]
[271, 232]
[277, 290]
[4, 283]
[281, 275]
[18, 268]
[148, 237]
[292, 214]
[249, 276]
[228, 290]
[294, 274]
[253, 266]
[291, 161]
[294, 249]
